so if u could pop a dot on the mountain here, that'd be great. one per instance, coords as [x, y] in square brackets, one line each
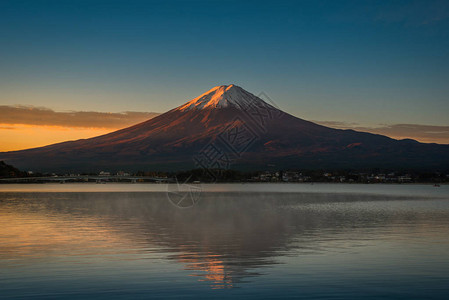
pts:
[8, 171]
[228, 127]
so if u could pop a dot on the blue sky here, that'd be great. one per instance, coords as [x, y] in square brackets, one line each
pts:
[365, 62]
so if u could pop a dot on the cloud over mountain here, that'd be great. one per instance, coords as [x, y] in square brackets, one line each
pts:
[42, 116]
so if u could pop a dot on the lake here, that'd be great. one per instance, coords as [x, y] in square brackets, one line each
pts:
[203, 241]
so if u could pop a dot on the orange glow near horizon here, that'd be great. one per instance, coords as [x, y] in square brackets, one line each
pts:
[20, 136]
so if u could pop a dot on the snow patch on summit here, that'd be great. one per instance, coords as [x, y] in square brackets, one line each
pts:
[223, 96]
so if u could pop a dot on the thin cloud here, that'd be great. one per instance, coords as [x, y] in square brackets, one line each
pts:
[31, 115]
[422, 133]
[336, 124]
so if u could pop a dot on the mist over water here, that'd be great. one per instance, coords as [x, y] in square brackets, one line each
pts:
[235, 243]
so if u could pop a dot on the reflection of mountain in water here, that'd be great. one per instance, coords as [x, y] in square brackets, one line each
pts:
[226, 238]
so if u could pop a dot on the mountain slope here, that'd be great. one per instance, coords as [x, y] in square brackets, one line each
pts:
[230, 127]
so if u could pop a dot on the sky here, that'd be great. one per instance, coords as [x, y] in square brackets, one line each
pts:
[377, 66]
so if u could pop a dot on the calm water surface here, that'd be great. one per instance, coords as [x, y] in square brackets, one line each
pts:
[128, 241]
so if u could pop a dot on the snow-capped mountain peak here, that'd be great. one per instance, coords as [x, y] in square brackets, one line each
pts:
[223, 96]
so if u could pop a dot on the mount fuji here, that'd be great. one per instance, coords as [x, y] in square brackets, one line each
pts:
[228, 127]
